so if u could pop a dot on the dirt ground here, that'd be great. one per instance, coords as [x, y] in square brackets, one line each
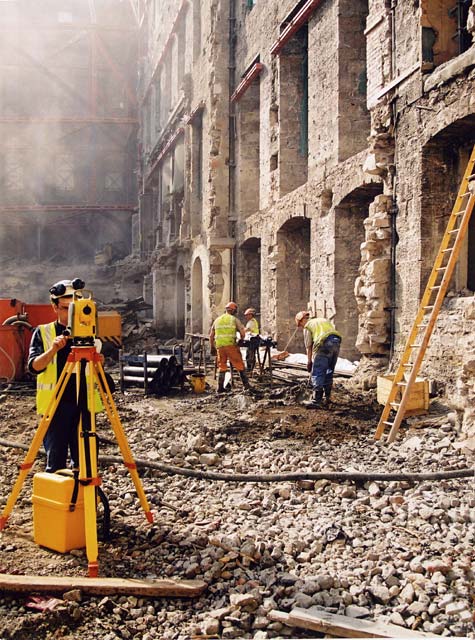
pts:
[178, 430]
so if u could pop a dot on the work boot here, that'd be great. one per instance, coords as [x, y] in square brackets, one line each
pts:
[244, 380]
[316, 401]
[328, 393]
[221, 375]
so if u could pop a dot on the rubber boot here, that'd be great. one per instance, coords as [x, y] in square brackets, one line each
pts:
[328, 393]
[316, 401]
[221, 375]
[244, 380]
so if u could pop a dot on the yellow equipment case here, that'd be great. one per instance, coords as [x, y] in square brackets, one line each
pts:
[55, 526]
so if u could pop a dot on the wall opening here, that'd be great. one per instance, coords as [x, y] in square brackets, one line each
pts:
[180, 303]
[444, 159]
[353, 116]
[249, 279]
[444, 32]
[248, 150]
[196, 173]
[350, 215]
[197, 297]
[293, 110]
[292, 280]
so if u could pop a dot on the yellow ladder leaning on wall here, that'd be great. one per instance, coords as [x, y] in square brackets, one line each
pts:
[431, 303]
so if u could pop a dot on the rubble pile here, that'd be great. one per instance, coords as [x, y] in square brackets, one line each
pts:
[398, 552]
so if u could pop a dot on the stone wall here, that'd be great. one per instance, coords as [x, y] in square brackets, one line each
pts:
[352, 226]
[372, 287]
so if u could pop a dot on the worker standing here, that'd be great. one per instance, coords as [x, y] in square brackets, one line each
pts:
[49, 350]
[222, 338]
[252, 336]
[322, 342]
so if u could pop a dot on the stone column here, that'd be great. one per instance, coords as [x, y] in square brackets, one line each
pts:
[372, 287]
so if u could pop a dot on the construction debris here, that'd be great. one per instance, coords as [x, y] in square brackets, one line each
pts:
[332, 624]
[103, 586]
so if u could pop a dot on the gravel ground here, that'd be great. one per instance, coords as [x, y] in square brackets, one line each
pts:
[393, 551]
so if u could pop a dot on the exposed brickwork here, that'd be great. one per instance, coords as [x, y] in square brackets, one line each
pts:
[329, 182]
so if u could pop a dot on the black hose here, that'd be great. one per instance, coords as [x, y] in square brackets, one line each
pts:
[333, 476]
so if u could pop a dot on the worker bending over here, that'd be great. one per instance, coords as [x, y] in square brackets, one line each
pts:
[322, 343]
[223, 338]
[252, 335]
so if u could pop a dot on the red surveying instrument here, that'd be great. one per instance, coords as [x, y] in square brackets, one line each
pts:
[86, 363]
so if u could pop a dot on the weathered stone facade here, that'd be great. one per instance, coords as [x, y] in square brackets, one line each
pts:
[308, 153]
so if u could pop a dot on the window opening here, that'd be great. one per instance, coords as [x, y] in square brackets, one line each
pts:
[303, 147]
[460, 12]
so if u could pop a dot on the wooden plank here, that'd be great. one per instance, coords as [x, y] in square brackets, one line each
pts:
[103, 586]
[342, 626]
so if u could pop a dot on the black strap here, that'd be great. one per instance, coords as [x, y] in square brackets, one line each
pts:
[74, 496]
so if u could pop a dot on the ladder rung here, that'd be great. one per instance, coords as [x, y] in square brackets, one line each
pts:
[395, 404]
[402, 384]
[453, 231]
[429, 306]
[436, 286]
[390, 424]
[441, 269]
[415, 346]
[447, 250]
[408, 364]
[471, 177]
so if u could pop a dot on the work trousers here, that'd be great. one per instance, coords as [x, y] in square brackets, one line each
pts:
[62, 434]
[251, 352]
[231, 353]
[324, 362]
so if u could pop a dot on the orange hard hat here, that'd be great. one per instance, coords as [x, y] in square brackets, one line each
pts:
[300, 316]
[231, 306]
[250, 312]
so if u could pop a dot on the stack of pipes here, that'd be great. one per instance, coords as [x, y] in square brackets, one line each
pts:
[156, 374]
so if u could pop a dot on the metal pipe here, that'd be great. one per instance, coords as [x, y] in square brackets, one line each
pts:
[19, 316]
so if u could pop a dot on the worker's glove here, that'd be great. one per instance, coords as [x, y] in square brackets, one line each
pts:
[309, 366]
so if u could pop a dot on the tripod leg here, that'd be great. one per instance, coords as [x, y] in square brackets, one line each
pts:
[119, 433]
[29, 459]
[88, 461]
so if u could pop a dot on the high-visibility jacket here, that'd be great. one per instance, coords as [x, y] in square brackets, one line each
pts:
[47, 379]
[320, 329]
[225, 328]
[252, 326]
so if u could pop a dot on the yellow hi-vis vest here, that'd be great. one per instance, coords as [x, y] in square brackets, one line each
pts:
[225, 330]
[47, 379]
[320, 328]
[253, 326]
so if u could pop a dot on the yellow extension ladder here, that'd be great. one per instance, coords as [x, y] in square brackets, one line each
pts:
[431, 303]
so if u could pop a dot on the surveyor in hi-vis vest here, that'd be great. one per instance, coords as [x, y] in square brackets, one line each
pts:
[222, 338]
[49, 350]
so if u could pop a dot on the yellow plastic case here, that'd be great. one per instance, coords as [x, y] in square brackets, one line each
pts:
[54, 525]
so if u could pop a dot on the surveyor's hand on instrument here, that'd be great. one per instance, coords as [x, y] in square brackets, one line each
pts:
[309, 366]
[59, 342]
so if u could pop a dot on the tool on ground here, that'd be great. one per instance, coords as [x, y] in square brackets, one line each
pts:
[86, 363]
[430, 305]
